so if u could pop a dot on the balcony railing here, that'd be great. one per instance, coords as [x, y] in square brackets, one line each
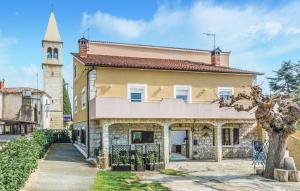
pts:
[167, 108]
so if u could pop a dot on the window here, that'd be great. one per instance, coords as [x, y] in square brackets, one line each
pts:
[83, 99]
[137, 92]
[226, 136]
[83, 136]
[236, 136]
[142, 136]
[75, 71]
[49, 53]
[75, 105]
[183, 92]
[225, 93]
[55, 53]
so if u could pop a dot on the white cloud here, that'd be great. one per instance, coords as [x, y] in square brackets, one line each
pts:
[253, 33]
[109, 23]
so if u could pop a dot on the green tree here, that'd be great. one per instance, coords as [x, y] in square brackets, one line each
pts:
[287, 78]
[66, 99]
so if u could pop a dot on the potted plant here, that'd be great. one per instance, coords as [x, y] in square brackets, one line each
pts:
[151, 161]
[139, 161]
[125, 161]
[121, 162]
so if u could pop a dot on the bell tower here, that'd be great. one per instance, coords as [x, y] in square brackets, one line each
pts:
[52, 72]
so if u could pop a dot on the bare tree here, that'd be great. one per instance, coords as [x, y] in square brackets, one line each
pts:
[277, 114]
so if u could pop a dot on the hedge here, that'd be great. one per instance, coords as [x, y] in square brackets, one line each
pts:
[19, 159]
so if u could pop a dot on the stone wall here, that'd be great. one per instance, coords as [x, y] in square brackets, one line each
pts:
[53, 86]
[247, 133]
[120, 134]
[95, 137]
[204, 149]
[79, 126]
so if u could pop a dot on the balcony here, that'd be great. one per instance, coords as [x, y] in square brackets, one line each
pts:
[166, 109]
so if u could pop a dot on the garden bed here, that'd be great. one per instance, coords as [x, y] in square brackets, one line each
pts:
[107, 181]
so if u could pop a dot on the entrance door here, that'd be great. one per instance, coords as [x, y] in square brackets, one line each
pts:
[179, 145]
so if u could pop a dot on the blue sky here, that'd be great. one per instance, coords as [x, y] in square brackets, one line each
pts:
[260, 34]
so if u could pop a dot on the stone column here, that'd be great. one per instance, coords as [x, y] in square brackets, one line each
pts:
[231, 136]
[190, 134]
[218, 142]
[105, 143]
[166, 141]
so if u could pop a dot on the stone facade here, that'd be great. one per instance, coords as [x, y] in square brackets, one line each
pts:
[248, 133]
[82, 146]
[105, 133]
[120, 134]
[95, 137]
[53, 85]
[52, 72]
[203, 147]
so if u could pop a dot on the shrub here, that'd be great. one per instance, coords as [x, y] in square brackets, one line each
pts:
[43, 138]
[19, 159]
[61, 136]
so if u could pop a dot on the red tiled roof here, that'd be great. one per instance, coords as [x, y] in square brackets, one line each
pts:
[155, 64]
[20, 90]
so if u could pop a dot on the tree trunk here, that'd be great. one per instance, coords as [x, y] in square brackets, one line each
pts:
[276, 153]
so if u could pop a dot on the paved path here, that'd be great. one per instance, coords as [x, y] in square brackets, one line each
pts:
[63, 169]
[228, 175]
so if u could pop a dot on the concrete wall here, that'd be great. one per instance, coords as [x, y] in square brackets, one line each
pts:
[13, 108]
[12, 104]
[113, 83]
[79, 83]
[154, 52]
[294, 148]
[160, 84]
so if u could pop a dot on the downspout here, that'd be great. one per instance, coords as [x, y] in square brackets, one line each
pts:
[90, 68]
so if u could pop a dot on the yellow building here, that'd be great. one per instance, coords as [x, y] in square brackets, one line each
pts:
[141, 96]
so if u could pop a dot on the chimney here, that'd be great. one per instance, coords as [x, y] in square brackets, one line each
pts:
[2, 84]
[83, 47]
[215, 57]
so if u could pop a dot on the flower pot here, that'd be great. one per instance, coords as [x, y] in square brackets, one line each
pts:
[139, 167]
[121, 168]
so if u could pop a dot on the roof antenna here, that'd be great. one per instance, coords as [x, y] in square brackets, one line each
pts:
[88, 33]
[88, 36]
[214, 37]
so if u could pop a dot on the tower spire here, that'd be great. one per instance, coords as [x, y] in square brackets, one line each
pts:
[52, 32]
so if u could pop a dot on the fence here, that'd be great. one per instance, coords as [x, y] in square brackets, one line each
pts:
[259, 153]
[126, 155]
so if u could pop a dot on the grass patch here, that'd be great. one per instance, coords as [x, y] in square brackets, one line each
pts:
[171, 172]
[115, 181]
